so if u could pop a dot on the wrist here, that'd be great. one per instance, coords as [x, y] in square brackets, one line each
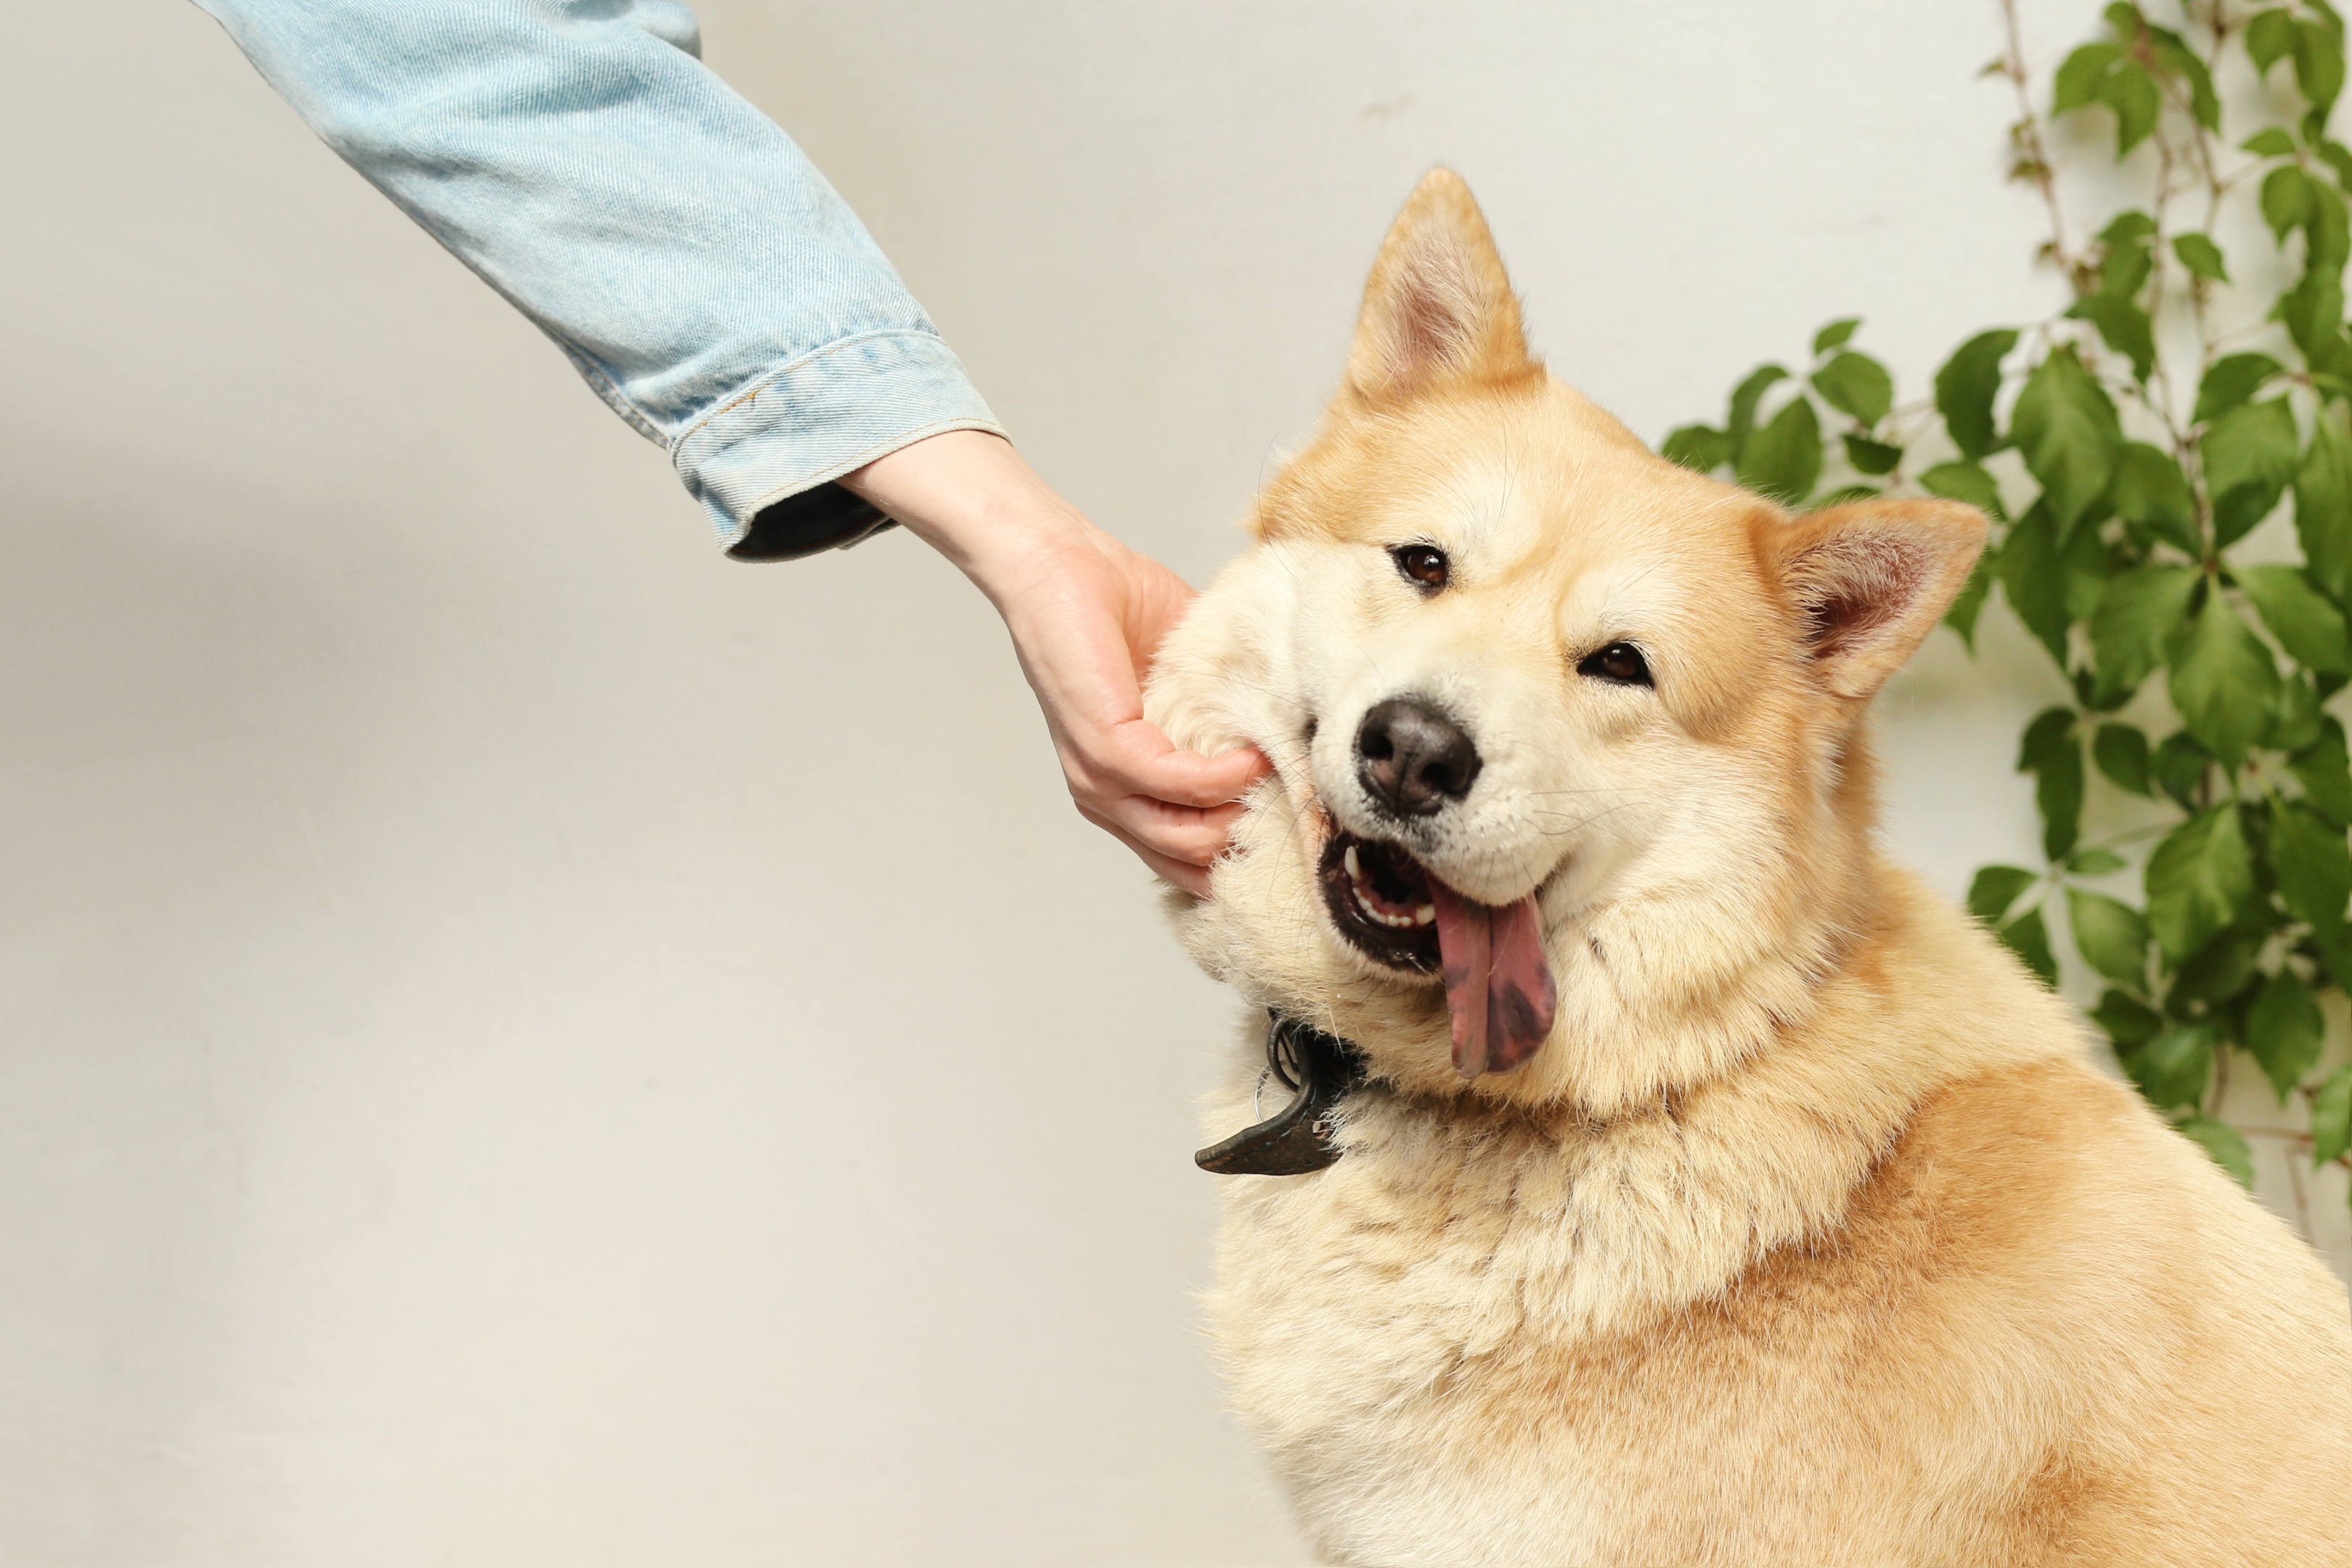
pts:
[968, 495]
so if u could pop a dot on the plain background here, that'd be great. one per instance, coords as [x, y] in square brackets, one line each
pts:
[523, 1042]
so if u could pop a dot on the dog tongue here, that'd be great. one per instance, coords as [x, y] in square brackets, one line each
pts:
[1497, 985]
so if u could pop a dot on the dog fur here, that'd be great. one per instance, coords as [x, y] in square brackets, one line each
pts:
[1811, 1237]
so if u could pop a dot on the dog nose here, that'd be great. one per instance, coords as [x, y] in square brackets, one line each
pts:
[1414, 758]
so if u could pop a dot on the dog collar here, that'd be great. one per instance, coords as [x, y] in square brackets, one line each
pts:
[1323, 1069]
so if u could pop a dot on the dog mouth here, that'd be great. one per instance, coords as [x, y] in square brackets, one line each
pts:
[1380, 898]
[1498, 983]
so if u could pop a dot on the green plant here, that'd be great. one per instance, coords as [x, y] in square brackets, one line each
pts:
[2126, 449]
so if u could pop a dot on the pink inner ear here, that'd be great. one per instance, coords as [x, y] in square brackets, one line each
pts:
[1857, 592]
[1430, 326]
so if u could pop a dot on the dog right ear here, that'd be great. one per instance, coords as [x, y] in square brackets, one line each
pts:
[1870, 580]
[1438, 308]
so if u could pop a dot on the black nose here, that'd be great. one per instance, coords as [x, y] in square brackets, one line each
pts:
[1412, 758]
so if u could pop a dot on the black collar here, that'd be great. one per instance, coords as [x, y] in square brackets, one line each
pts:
[1324, 1069]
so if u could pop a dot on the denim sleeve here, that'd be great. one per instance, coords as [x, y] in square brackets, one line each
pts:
[694, 267]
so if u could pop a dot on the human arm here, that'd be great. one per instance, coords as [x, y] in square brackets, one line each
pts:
[709, 285]
[1086, 613]
[698, 272]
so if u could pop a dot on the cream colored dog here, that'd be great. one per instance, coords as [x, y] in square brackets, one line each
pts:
[1717, 1195]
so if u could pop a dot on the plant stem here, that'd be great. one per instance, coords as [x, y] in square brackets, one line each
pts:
[2036, 163]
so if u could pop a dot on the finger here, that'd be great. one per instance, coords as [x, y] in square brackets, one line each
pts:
[1140, 760]
[1193, 879]
[1185, 833]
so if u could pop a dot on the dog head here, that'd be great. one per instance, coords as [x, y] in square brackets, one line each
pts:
[1571, 800]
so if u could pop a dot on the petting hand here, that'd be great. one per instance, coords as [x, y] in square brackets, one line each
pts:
[1086, 614]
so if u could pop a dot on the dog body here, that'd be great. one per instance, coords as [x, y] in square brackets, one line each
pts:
[1717, 1195]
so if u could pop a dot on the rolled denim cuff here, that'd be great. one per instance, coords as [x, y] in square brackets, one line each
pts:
[762, 462]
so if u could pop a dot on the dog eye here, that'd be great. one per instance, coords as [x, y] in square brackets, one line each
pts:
[1621, 662]
[1423, 565]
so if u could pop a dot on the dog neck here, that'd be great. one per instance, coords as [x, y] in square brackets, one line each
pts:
[1301, 1137]
[1613, 1214]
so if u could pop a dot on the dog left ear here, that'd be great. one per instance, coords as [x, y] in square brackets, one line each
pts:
[1438, 308]
[1869, 581]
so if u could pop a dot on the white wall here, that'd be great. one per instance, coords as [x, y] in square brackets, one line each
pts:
[521, 1042]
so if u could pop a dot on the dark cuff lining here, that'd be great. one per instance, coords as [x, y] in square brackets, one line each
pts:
[826, 517]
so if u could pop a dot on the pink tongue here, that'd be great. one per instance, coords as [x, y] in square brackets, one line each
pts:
[1497, 985]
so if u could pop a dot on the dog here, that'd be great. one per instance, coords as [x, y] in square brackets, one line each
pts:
[1705, 1189]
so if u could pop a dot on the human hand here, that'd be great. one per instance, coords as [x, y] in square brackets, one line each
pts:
[1086, 614]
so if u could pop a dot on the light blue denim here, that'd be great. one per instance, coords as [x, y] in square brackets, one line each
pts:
[696, 269]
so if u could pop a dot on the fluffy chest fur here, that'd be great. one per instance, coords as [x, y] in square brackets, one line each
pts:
[1473, 1343]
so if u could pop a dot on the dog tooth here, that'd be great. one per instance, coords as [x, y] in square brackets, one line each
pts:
[1355, 872]
[1424, 915]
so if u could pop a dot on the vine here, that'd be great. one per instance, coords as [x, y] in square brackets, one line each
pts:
[2126, 449]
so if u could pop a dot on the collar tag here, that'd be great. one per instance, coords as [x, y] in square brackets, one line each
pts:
[1298, 1139]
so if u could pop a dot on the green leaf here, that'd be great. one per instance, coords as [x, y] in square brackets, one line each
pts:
[2124, 327]
[2178, 767]
[2338, 157]
[2222, 1144]
[2121, 751]
[1697, 446]
[2077, 82]
[2270, 142]
[2033, 574]
[2224, 681]
[2284, 1031]
[2133, 94]
[1843, 494]
[1783, 459]
[2202, 257]
[1965, 388]
[1965, 481]
[2323, 505]
[2253, 443]
[2286, 199]
[2172, 51]
[2127, 254]
[2053, 755]
[2319, 68]
[1744, 400]
[1869, 456]
[2129, 1022]
[2094, 862]
[1834, 336]
[2112, 936]
[2309, 856]
[2088, 566]
[1858, 385]
[2172, 1069]
[2335, 950]
[2331, 1117]
[2200, 879]
[2327, 237]
[2307, 624]
[2137, 614]
[1996, 888]
[2313, 310]
[2066, 428]
[1961, 616]
[2270, 38]
[2297, 722]
[2218, 971]
[2028, 937]
[2151, 489]
[2250, 458]
[2325, 771]
[2232, 379]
